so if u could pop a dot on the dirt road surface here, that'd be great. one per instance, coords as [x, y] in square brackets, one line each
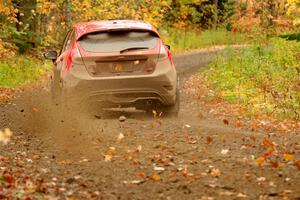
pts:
[194, 156]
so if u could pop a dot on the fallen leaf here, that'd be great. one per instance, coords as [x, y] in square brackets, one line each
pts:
[209, 139]
[159, 169]
[272, 184]
[158, 135]
[122, 118]
[225, 121]
[267, 143]
[139, 148]
[261, 179]
[224, 151]
[283, 128]
[200, 116]
[141, 174]
[107, 158]
[253, 126]
[193, 141]
[8, 178]
[184, 172]
[226, 193]
[275, 164]
[260, 161]
[20, 164]
[269, 153]
[35, 109]
[120, 138]
[287, 192]
[297, 164]
[155, 177]
[133, 182]
[287, 179]
[36, 157]
[134, 160]
[238, 124]
[67, 162]
[154, 113]
[241, 195]
[288, 157]
[206, 198]
[5, 136]
[215, 172]
[187, 126]
[222, 139]
[111, 151]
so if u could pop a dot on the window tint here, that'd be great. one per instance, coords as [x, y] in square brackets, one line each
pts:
[118, 41]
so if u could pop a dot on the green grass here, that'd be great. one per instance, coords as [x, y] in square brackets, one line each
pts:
[264, 78]
[181, 40]
[21, 70]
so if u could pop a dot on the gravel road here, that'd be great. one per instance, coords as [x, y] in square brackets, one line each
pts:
[194, 156]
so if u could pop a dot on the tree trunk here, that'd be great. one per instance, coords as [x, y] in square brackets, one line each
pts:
[68, 13]
[215, 20]
[272, 8]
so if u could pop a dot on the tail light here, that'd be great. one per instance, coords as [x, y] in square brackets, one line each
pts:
[170, 58]
[74, 57]
[73, 61]
[165, 54]
[149, 66]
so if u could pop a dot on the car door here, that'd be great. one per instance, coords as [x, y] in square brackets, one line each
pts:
[62, 58]
[56, 85]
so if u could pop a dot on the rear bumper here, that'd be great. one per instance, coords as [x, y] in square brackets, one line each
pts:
[122, 90]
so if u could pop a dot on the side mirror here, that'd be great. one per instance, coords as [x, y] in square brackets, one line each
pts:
[168, 46]
[51, 55]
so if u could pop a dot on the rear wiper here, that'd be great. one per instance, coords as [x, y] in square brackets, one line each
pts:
[133, 48]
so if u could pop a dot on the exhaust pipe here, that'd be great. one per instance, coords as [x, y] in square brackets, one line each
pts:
[149, 102]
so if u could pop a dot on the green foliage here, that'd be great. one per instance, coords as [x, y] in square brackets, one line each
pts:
[22, 70]
[291, 36]
[184, 13]
[25, 40]
[181, 40]
[264, 78]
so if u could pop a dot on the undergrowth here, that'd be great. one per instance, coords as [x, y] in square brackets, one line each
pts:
[264, 78]
[21, 70]
[182, 40]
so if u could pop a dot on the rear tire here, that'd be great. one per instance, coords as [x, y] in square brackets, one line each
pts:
[174, 109]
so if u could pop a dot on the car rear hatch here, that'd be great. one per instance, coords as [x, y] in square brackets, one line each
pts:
[120, 52]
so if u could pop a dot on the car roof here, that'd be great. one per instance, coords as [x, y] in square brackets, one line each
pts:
[103, 25]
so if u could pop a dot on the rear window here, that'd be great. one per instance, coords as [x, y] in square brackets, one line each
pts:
[118, 41]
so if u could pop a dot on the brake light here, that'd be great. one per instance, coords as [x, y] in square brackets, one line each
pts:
[73, 57]
[165, 54]
[170, 57]
[149, 66]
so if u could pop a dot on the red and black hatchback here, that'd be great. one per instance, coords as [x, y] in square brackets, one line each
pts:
[115, 63]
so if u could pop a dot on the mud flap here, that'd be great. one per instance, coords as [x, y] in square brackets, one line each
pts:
[56, 88]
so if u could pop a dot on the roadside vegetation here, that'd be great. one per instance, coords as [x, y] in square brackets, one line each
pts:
[186, 40]
[264, 78]
[21, 70]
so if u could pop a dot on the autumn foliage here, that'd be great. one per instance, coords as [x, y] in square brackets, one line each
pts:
[42, 23]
